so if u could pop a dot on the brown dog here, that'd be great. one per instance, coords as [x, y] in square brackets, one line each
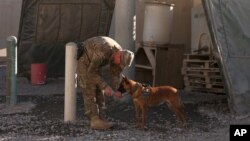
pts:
[144, 97]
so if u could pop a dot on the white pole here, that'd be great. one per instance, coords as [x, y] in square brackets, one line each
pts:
[11, 90]
[124, 28]
[70, 82]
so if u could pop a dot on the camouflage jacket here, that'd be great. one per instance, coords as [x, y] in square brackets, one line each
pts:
[98, 53]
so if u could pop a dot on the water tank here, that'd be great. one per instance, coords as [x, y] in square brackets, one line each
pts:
[157, 23]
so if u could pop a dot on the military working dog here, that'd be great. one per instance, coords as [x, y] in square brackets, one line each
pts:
[144, 97]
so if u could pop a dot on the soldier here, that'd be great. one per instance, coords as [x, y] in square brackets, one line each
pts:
[98, 52]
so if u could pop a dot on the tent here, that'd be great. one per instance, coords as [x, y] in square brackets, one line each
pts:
[47, 25]
[230, 27]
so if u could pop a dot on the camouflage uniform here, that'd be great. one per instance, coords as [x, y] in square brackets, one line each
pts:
[98, 53]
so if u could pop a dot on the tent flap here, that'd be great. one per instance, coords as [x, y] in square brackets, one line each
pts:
[230, 27]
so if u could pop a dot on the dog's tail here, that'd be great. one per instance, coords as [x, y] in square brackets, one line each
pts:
[182, 108]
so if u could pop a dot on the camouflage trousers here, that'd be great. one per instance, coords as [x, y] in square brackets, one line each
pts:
[94, 100]
[93, 97]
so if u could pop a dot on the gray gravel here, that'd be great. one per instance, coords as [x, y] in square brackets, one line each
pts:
[38, 116]
[41, 118]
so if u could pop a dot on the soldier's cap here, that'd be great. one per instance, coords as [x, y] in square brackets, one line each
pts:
[127, 58]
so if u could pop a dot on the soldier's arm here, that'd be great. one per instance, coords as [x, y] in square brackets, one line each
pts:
[93, 69]
[115, 76]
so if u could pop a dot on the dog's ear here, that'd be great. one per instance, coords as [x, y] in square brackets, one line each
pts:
[123, 76]
[126, 80]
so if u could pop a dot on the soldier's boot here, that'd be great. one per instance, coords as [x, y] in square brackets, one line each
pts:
[102, 114]
[97, 123]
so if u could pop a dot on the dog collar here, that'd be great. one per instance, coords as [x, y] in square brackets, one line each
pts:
[135, 88]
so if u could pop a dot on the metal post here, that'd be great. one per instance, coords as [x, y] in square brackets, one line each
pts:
[11, 95]
[70, 82]
[124, 27]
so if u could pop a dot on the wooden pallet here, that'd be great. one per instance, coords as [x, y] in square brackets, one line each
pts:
[203, 79]
[200, 72]
[197, 57]
[204, 85]
[201, 64]
[202, 90]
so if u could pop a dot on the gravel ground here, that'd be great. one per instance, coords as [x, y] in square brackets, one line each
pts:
[39, 116]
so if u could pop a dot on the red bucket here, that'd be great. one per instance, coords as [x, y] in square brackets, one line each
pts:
[38, 73]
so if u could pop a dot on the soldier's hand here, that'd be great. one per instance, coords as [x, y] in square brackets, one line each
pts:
[118, 94]
[108, 91]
